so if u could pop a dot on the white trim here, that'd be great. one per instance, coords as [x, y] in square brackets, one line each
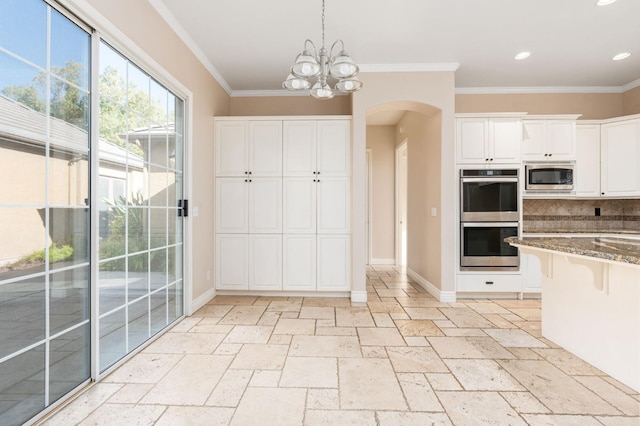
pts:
[281, 293]
[369, 194]
[397, 229]
[358, 297]
[631, 85]
[187, 194]
[539, 89]
[202, 300]
[277, 92]
[442, 296]
[281, 117]
[382, 261]
[171, 20]
[490, 115]
[552, 117]
[417, 67]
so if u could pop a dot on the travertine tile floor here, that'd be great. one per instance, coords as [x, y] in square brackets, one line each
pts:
[402, 359]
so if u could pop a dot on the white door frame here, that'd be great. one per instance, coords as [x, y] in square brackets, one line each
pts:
[368, 203]
[402, 147]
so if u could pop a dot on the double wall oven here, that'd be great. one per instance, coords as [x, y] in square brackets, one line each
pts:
[489, 213]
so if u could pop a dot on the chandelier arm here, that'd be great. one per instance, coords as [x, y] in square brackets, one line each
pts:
[315, 51]
[334, 45]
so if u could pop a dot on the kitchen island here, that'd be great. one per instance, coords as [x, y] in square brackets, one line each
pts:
[591, 299]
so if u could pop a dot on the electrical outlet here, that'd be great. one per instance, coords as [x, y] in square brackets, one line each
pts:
[208, 275]
[597, 211]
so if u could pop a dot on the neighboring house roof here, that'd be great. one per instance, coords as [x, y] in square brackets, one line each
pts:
[28, 125]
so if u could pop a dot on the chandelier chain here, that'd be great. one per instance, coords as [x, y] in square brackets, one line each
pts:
[322, 23]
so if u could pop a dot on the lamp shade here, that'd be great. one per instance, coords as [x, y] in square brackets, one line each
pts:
[321, 91]
[296, 83]
[349, 85]
[305, 66]
[343, 67]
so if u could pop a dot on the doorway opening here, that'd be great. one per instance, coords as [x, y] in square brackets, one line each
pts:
[401, 170]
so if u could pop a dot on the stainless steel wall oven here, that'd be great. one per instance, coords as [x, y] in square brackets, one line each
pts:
[489, 213]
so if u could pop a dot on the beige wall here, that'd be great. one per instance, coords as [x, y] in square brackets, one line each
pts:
[426, 93]
[423, 135]
[592, 106]
[290, 105]
[139, 21]
[631, 101]
[381, 141]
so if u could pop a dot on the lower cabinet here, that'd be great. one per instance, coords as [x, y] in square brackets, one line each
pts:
[489, 283]
[531, 273]
[249, 262]
[314, 262]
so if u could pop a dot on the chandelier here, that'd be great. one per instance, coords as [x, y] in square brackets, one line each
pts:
[321, 66]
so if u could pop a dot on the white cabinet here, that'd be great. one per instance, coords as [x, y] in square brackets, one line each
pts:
[249, 205]
[313, 148]
[489, 283]
[316, 262]
[248, 148]
[248, 262]
[283, 199]
[549, 140]
[587, 168]
[620, 156]
[531, 273]
[488, 140]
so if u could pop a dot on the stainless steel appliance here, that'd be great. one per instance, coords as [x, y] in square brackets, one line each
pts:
[489, 195]
[489, 213]
[482, 245]
[549, 177]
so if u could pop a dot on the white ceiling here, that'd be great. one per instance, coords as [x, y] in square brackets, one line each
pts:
[250, 44]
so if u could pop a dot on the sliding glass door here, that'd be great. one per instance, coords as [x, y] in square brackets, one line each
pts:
[44, 208]
[140, 186]
[52, 152]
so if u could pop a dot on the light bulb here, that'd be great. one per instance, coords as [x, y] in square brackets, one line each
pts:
[348, 85]
[295, 84]
[306, 69]
[344, 69]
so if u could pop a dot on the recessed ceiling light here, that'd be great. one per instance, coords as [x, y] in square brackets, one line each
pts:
[621, 56]
[605, 2]
[522, 55]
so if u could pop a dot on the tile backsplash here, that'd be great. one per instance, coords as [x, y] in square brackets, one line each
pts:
[579, 215]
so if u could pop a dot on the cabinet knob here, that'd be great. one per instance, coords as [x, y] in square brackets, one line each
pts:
[491, 159]
[249, 172]
[318, 180]
[602, 193]
[249, 180]
[550, 155]
[318, 172]
[246, 173]
[486, 159]
[314, 172]
[246, 180]
[546, 155]
[314, 180]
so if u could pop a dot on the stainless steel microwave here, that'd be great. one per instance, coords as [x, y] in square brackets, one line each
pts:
[549, 177]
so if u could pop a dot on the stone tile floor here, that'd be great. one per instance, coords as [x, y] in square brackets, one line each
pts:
[401, 359]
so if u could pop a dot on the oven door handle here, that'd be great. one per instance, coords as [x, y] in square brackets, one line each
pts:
[489, 224]
[488, 180]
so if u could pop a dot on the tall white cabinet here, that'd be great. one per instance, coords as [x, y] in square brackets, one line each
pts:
[283, 204]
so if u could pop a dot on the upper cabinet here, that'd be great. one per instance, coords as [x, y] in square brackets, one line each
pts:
[314, 148]
[249, 148]
[483, 140]
[549, 139]
[620, 156]
[587, 168]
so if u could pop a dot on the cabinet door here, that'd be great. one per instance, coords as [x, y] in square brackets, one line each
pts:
[561, 140]
[472, 136]
[232, 148]
[333, 205]
[333, 263]
[505, 140]
[586, 177]
[231, 261]
[265, 262]
[265, 148]
[334, 148]
[299, 148]
[232, 205]
[299, 262]
[265, 205]
[531, 273]
[299, 205]
[533, 140]
[620, 151]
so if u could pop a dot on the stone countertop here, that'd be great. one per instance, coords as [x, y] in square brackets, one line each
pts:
[614, 249]
[583, 231]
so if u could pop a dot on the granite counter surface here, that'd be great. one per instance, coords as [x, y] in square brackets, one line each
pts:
[614, 249]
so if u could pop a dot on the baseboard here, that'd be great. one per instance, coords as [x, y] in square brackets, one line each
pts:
[282, 293]
[383, 261]
[359, 297]
[442, 296]
[202, 300]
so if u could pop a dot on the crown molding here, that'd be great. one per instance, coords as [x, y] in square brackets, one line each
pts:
[545, 89]
[171, 20]
[417, 67]
[266, 93]
[632, 85]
